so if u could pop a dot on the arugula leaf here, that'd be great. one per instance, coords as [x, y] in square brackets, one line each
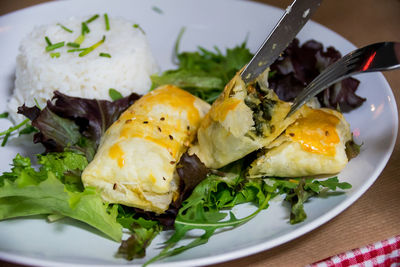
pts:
[25, 191]
[297, 197]
[195, 216]
[352, 149]
[203, 209]
[143, 232]
[305, 189]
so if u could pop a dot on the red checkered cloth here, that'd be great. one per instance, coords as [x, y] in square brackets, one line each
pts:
[382, 254]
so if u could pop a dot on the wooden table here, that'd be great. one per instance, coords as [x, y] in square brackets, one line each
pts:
[376, 215]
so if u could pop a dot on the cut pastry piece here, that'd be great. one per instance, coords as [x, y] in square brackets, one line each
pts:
[135, 164]
[242, 120]
[314, 144]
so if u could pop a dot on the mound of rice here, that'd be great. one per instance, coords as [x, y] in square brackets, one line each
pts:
[38, 74]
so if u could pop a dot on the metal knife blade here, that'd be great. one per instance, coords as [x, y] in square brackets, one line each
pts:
[292, 21]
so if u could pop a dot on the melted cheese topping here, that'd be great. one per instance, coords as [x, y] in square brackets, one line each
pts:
[117, 153]
[162, 133]
[219, 112]
[316, 132]
[147, 120]
[182, 101]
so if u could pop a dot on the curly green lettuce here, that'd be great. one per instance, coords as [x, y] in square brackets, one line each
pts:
[55, 189]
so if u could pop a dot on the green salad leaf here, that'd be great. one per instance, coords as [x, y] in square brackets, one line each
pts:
[204, 73]
[55, 189]
[303, 189]
[206, 208]
[142, 233]
[198, 212]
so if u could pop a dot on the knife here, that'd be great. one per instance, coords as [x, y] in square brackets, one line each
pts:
[292, 21]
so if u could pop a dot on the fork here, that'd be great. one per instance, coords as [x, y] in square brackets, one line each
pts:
[374, 57]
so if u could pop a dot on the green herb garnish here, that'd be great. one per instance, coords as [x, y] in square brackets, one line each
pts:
[114, 94]
[137, 26]
[92, 18]
[55, 55]
[85, 29]
[47, 41]
[157, 9]
[76, 50]
[28, 129]
[54, 46]
[14, 128]
[76, 45]
[4, 115]
[105, 55]
[65, 28]
[80, 39]
[5, 139]
[37, 103]
[93, 47]
[107, 22]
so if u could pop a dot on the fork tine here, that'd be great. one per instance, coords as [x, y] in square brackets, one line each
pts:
[374, 57]
[329, 76]
[325, 79]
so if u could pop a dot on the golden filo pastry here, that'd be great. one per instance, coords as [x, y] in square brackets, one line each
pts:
[243, 119]
[314, 144]
[135, 164]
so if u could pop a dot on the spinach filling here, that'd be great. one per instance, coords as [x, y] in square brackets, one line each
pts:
[262, 108]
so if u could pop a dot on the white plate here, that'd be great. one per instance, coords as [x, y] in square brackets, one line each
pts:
[208, 23]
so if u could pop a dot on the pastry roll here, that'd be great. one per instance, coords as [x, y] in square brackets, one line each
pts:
[243, 119]
[314, 144]
[135, 164]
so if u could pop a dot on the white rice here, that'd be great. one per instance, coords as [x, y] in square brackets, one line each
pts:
[91, 76]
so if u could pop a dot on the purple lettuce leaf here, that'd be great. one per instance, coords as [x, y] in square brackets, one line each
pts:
[74, 123]
[299, 65]
[91, 115]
